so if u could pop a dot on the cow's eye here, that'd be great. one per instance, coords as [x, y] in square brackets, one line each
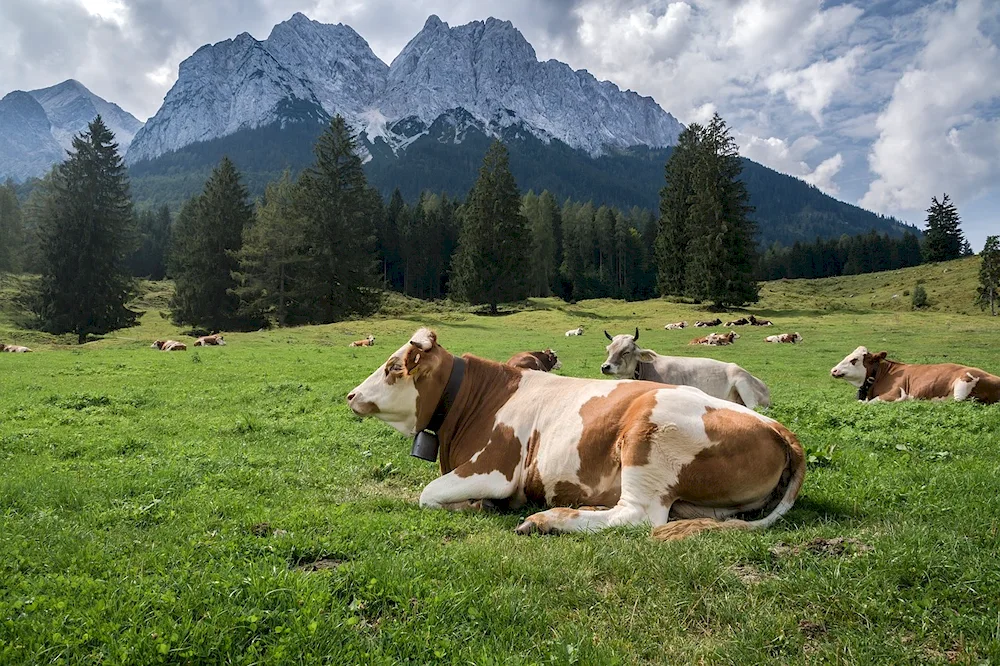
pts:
[854, 361]
[626, 353]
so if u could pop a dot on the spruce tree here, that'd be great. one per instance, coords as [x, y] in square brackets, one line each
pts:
[721, 253]
[11, 229]
[943, 238]
[389, 244]
[675, 203]
[203, 256]
[491, 261]
[86, 236]
[988, 292]
[541, 214]
[272, 256]
[150, 258]
[339, 209]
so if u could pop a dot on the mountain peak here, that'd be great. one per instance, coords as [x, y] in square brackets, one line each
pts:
[433, 22]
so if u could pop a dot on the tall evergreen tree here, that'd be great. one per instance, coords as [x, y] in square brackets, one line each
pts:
[675, 205]
[389, 243]
[988, 292]
[11, 229]
[150, 258]
[943, 238]
[339, 209]
[85, 238]
[272, 257]
[490, 263]
[542, 216]
[203, 254]
[722, 254]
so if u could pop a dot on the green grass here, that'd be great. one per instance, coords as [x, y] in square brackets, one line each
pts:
[168, 508]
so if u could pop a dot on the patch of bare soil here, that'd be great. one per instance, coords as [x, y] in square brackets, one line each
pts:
[322, 564]
[837, 547]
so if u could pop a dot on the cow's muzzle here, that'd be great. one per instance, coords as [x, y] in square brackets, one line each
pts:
[606, 369]
[361, 407]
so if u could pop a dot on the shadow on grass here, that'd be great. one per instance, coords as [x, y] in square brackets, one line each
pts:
[808, 511]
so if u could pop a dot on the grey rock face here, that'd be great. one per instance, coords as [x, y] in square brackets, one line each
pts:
[71, 107]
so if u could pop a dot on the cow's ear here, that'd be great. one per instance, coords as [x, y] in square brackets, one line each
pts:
[646, 355]
[424, 339]
[879, 356]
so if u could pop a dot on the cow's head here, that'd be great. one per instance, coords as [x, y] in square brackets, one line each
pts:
[219, 340]
[624, 354]
[158, 344]
[554, 362]
[855, 368]
[405, 390]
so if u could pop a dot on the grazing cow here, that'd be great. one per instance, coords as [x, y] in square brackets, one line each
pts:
[759, 322]
[708, 324]
[742, 321]
[576, 331]
[210, 341]
[169, 345]
[784, 337]
[878, 378]
[669, 456]
[367, 342]
[14, 349]
[676, 326]
[718, 379]
[539, 360]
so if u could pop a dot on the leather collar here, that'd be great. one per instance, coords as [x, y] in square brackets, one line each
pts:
[448, 396]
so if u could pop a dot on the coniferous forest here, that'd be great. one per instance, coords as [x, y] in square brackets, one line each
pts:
[324, 245]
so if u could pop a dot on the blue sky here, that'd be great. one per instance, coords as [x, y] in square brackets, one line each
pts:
[883, 104]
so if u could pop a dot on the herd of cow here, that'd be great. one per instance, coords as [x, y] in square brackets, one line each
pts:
[216, 340]
[673, 442]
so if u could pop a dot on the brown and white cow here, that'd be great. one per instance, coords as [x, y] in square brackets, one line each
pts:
[169, 345]
[742, 321]
[878, 378]
[669, 456]
[708, 324]
[538, 360]
[759, 322]
[14, 349]
[791, 338]
[210, 341]
[676, 326]
[716, 339]
[367, 342]
[727, 381]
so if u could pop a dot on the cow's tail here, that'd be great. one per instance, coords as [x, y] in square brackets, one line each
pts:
[785, 493]
[753, 392]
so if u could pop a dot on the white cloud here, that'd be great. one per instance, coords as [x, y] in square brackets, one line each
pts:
[812, 88]
[933, 135]
[780, 156]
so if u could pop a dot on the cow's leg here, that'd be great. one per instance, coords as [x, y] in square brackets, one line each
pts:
[456, 490]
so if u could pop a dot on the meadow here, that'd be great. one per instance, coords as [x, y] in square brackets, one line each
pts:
[224, 506]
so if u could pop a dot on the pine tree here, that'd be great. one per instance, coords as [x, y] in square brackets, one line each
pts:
[86, 235]
[272, 256]
[675, 204]
[943, 238]
[490, 263]
[989, 275]
[542, 216]
[150, 258]
[967, 248]
[721, 253]
[11, 229]
[203, 256]
[339, 209]
[389, 243]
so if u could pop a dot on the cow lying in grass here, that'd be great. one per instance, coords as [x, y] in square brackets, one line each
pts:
[13, 349]
[878, 378]
[676, 326]
[791, 338]
[169, 345]
[367, 342]
[728, 381]
[669, 456]
[716, 339]
[210, 341]
[538, 360]
[575, 332]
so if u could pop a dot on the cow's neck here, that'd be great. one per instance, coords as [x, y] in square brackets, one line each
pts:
[869, 388]
[638, 370]
[487, 386]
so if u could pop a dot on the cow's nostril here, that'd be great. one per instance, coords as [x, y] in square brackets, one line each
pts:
[350, 396]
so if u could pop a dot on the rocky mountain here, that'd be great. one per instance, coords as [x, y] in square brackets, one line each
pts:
[37, 127]
[485, 69]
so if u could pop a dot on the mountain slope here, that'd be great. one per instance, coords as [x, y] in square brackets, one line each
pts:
[27, 145]
[70, 107]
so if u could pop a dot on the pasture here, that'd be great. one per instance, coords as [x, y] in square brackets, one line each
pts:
[223, 505]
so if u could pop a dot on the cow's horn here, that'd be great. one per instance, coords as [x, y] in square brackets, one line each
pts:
[636, 334]
[608, 336]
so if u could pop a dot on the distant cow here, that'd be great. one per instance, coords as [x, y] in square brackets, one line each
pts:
[210, 341]
[784, 337]
[742, 321]
[169, 345]
[708, 324]
[759, 322]
[728, 381]
[576, 331]
[717, 339]
[14, 349]
[878, 378]
[667, 456]
[677, 325]
[538, 360]
[367, 342]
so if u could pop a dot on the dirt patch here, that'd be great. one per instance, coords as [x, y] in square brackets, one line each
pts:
[322, 564]
[265, 529]
[837, 547]
[748, 574]
[811, 630]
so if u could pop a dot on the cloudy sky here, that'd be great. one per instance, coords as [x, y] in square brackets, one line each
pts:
[882, 103]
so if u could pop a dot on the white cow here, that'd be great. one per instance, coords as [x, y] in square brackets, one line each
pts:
[576, 331]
